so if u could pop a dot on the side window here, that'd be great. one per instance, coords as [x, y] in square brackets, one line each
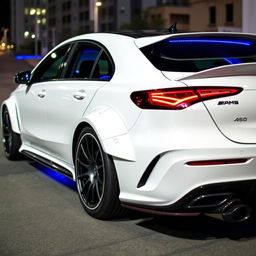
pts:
[104, 68]
[49, 68]
[83, 62]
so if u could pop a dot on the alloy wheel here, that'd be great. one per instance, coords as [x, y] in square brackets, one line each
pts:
[7, 132]
[90, 171]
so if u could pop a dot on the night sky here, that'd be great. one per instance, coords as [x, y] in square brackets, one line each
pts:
[5, 13]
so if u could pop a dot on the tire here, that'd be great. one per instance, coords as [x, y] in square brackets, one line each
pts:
[11, 140]
[96, 178]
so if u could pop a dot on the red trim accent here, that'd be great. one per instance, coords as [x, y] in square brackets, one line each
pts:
[161, 212]
[217, 162]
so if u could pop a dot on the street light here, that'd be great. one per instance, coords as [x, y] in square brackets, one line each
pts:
[97, 4]
[32, 11]
[26, 34]
[36, 35]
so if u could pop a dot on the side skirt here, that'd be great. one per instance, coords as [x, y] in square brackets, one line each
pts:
[48, 163]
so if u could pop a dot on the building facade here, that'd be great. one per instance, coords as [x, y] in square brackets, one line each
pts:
[249, 16]
[163, 16]
[68, 18]
[56, 20]
[41, 24]
[216, 15]
[29, 25]
[199, 15]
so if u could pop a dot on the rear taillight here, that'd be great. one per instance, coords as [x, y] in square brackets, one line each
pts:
[179, 98]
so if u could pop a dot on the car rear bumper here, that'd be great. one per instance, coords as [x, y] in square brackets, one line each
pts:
[205, 199]
[166, 180]
[164, 142]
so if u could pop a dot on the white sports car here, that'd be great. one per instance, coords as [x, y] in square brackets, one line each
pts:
[159, 123]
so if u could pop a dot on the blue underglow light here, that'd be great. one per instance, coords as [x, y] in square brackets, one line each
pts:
[56, 176]
[26, 57]
[211, 41]
[232, 60]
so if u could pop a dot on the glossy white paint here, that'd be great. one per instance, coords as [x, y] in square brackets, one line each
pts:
[63, 111]
[32, 115]
[134, 137]
[235, 118]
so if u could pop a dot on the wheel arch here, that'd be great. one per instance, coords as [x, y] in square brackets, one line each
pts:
[97, 181]
[77, 132]
[10, 105]
[111, 131]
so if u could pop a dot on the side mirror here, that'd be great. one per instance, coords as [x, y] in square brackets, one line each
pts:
[22, 77]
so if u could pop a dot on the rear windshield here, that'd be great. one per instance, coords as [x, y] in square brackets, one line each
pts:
[195, 53]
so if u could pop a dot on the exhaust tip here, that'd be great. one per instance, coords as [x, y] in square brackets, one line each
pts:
[237, 213]
[233, 211]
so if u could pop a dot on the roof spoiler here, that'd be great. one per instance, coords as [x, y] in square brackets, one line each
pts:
[245, 69]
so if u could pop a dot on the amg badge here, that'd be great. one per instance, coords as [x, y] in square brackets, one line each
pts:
[229, 102]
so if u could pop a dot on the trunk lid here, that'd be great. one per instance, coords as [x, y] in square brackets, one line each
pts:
[213, 60]
[235, 116]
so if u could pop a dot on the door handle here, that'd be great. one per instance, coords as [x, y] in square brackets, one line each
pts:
[41, 94]
[80, 95]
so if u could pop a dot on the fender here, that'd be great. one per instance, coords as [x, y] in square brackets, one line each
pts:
[112, 132]
[11, 106]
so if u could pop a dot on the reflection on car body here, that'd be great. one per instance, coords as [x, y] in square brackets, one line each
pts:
[162, 123]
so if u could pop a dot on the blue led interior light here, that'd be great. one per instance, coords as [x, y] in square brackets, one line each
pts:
[212, 41]
[90, 51]
[232, 60]
[105, 77]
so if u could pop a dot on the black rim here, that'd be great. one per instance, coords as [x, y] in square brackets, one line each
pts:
[90, 171]
[7, 132]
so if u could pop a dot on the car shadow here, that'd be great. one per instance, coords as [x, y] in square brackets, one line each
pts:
[196, 228]
[200, 228]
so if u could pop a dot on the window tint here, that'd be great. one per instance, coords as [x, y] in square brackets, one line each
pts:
[85, 58]
[192, 54]
[90, 61]
[103, 69]
[49, 68]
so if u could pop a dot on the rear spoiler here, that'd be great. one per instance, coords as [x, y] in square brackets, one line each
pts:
[245, 69]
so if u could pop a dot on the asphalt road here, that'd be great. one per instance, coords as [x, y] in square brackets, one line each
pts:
[40, 214]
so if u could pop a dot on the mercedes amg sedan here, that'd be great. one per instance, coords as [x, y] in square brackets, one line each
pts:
[159, 123]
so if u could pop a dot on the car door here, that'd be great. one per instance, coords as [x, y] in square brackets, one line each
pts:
[31, 100]
[88, 69]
